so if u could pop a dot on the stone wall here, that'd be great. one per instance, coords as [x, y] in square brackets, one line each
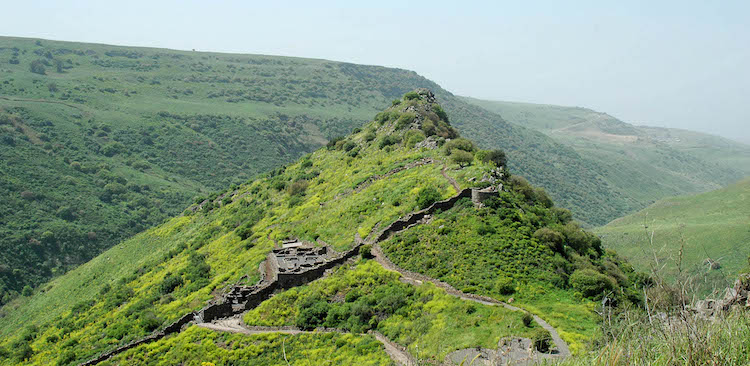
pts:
[415, 217]
[172, 328]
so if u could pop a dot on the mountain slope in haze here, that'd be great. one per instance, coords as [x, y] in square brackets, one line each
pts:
[100, 142]
[643, 164]
[714, 228]
[399, 163]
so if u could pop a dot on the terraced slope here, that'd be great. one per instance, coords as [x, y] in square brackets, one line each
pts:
[395, 165]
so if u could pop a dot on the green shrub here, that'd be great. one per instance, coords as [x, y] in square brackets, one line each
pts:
[170, 284]
[369, 136]
[388, 141]
[541, 340]
[526, 319]
[440, 112]
[348, 146]
[411, 96]
[365, 251]
[504, 285]
[405, 120]
[412, 137]
[591, 283]
[551, 238]
[298, 188]
[37, 67]
[427, 196]
[332, 143]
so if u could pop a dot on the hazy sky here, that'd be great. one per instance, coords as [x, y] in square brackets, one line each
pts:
[663, 63]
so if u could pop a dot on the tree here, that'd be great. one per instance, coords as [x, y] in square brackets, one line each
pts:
[27, 291]
[37, 67]
[497, 157]
[462, 158]
[459, 144]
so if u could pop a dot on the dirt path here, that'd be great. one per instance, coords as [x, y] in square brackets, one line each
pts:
[450, 179]
[235, 325]
[417, 279]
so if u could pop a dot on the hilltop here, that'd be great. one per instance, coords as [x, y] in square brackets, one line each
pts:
[101, 142]
[643, 164]
[488, 236]
[712, 227]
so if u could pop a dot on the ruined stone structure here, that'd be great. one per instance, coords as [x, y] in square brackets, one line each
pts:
[478, 196]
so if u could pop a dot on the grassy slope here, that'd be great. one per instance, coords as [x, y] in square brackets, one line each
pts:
[163, 273]
[197, 346]
[424, 318]
[643, 164]
[711, 225]
[168, 125]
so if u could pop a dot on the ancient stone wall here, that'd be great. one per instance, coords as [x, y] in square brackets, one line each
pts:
[414, 218]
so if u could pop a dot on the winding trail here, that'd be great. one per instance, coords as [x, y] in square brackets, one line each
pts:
[416, 278]
[450, 179]
[235, 324]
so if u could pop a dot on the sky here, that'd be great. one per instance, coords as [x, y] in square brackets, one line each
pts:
[683, 64]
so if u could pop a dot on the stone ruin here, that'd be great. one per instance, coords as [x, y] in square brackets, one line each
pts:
[735, 297]
[295, 259]
[494, 178]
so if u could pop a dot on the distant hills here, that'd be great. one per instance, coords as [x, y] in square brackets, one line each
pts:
[642, 164]
[713, 227]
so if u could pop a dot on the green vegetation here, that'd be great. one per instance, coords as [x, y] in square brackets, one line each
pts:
[519, 246]
[710, 230]
[638, 165]
[330, 196]
[202, 347]
[100, 142]
[165, 272]
[428, 321]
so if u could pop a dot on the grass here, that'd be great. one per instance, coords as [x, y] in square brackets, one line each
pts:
[710, 225]
[202, 347]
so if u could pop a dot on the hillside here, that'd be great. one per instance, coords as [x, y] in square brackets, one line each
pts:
[642, 164]
[404, 175]
[713, 227]
[101, 142]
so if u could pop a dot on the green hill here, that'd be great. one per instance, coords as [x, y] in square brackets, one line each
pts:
[516, 244]
[642, 164]
[713, 227]
[101, 142]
